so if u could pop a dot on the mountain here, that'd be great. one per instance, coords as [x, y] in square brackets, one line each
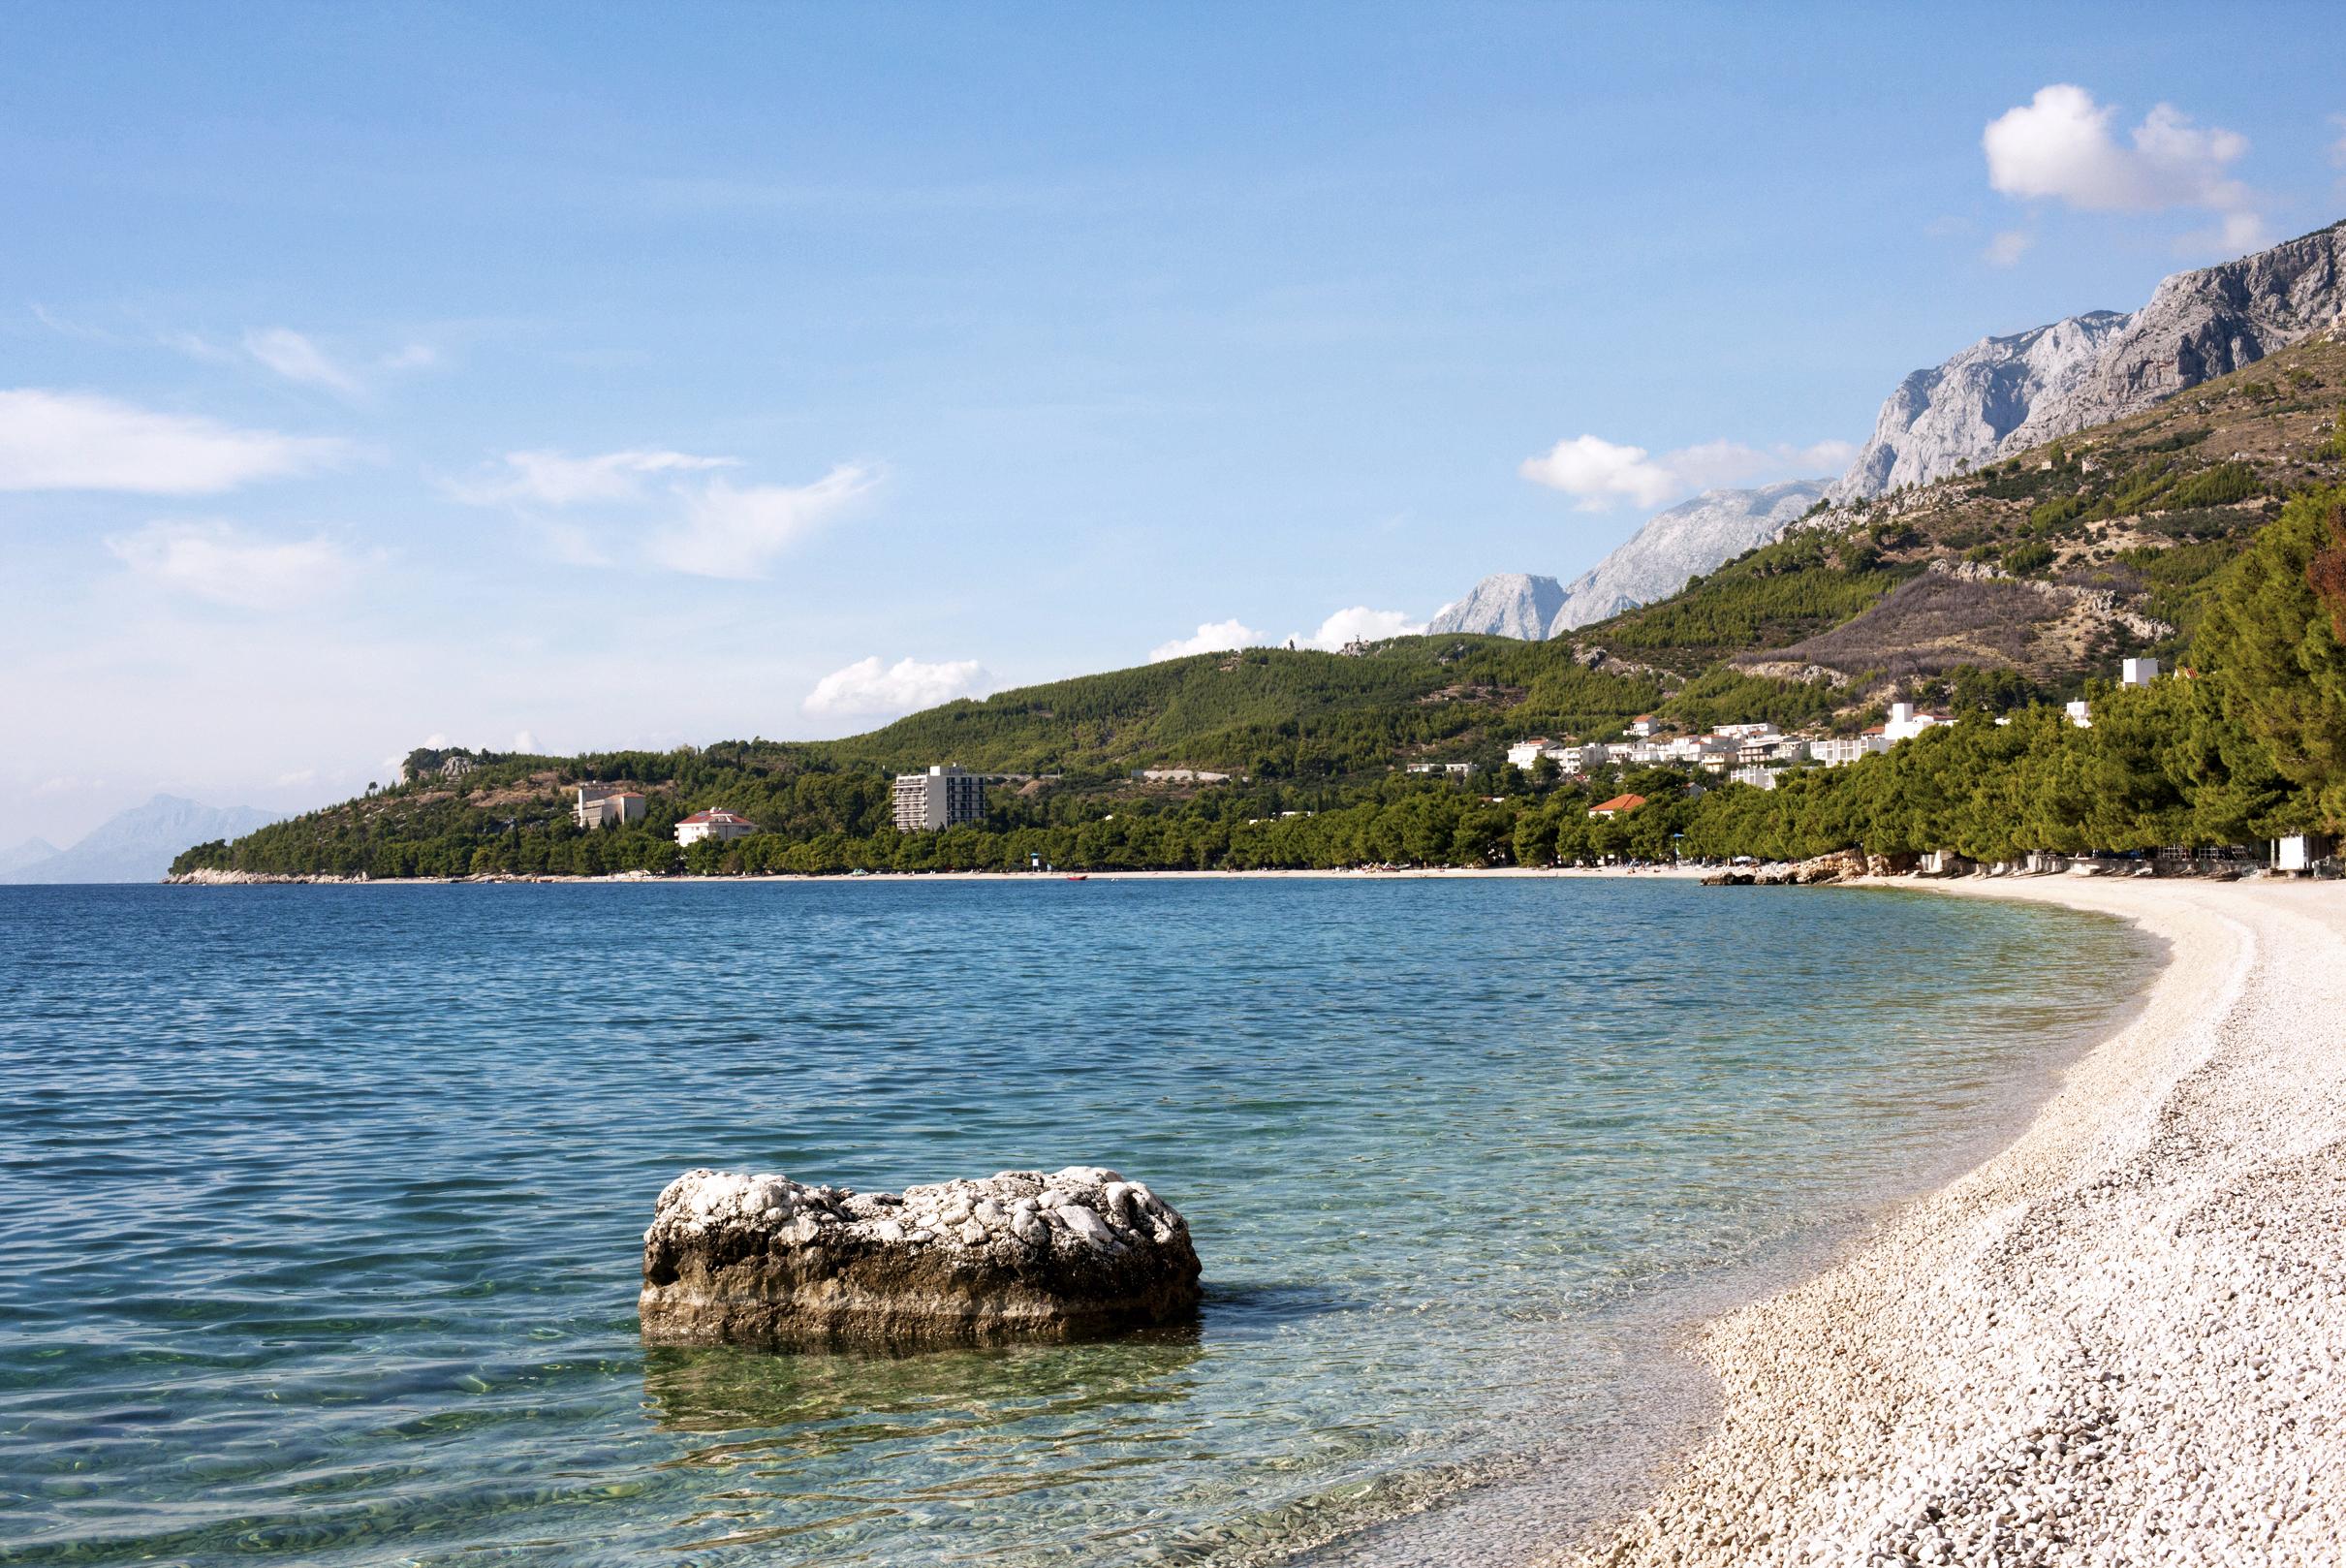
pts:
[1685, 542]
[2016, 582]
[32, 852]
[2042, 567]
[2006, 394]
[1954, 415]
[1505, 603]
[138, 844]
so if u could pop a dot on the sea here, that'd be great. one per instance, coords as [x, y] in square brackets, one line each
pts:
[321, 1207]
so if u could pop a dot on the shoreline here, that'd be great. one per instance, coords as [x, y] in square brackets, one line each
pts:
[1419, 873]
[2103, 1343]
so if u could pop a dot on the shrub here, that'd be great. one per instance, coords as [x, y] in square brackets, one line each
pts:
[2030, 556]
[2141, 491]
[2219, 485]
[2052, 514]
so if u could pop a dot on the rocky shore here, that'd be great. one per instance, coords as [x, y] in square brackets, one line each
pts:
[763, 1260]
[2120, 1341]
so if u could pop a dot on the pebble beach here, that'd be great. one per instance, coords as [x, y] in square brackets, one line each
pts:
[2121, 1340]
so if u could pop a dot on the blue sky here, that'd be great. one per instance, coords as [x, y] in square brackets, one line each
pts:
[638, 375]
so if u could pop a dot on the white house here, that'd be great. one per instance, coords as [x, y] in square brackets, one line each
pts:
[1906, 721]
[720, 825]
[2079, 712]
[1712, 752]
[2138, 672]
[2298, 851]
[1839, 751]
[1526, 754]
[604, 805]
[1453, 769]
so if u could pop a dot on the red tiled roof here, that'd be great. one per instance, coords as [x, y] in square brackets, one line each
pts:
[1619, 802]
[719, 815]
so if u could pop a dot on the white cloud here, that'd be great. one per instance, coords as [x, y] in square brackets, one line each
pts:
[299, 360]
[414, 356]
[524, 742]
[2008, 248]
[299, 775]
[1213, 637]
[552, 478]
[725, 530]
[1360, 624]
[2060, 146]
[1601, 473]
[1714, 463]
[227, 565]
[866, 686]
[76, 441]
[730, 532]
[569, 543]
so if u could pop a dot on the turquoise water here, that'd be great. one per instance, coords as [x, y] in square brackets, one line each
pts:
[320, 1207]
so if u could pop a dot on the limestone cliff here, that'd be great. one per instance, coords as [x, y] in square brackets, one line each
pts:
[2004, 395]
[1504, 603]
[1685, 542]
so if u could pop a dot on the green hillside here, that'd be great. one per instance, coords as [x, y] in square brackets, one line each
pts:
[1991, 591]
[2048, 564]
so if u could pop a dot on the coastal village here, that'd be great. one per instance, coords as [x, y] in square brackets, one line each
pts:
[945, 795]
[1755, 754]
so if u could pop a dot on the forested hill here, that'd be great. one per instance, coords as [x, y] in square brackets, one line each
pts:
[2048, 564]
[1999, 591]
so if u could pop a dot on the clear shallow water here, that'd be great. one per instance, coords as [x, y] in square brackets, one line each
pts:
[320, 1208]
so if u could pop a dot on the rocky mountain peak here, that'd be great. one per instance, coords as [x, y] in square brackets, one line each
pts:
[1505, 603]
[1679, 543]
[1674, 545]
[2004, 395]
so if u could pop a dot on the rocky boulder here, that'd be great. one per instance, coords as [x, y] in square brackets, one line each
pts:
[762, 1260]
[1832, 867]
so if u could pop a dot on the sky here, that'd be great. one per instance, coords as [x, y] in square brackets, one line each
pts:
[583, 376]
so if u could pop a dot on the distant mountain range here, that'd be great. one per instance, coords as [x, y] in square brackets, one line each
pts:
[136, 846]
[1673, 546]
[2006, 394]
[2015, 583]
[1997, 397]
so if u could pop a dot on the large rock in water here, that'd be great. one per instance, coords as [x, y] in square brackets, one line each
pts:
[761, 1260]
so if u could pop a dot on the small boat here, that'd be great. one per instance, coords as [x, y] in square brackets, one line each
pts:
[1077, 877]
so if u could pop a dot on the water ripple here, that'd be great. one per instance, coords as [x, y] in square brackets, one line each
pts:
[320, 1208]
